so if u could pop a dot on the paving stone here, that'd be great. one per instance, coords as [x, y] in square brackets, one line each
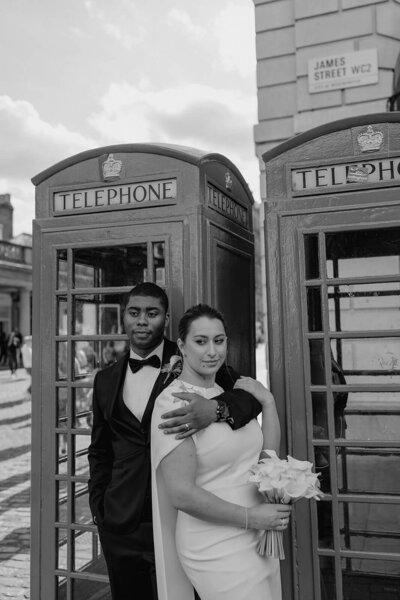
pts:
[15, 424]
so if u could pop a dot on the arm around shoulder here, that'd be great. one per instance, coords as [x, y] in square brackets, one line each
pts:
[242, 405]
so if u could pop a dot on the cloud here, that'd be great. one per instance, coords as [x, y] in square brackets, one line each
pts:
[30, 145]
[186, 111]
[218, 120]
[185, 23]
[201, 116]
[118, 31]
[236, 47]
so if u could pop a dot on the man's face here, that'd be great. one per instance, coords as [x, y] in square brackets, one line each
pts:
[145, 320]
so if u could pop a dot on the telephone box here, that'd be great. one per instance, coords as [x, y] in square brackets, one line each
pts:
[332, 229]
[106, 220]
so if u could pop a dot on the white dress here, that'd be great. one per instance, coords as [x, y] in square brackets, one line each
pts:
[220, 561]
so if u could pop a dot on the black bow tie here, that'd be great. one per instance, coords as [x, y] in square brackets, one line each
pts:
[152, 361]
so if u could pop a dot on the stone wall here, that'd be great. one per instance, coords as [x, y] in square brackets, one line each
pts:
[289, 33]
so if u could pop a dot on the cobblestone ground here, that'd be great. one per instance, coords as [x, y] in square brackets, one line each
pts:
[15, 467]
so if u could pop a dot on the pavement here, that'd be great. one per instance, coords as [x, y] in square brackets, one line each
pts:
[15, 470]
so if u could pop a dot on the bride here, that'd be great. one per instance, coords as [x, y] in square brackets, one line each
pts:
[207, 518]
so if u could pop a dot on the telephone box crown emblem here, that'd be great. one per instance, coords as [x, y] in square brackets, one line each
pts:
[228, 181]
[370, 140]
[112, 167]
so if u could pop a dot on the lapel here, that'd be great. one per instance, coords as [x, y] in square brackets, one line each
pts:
[170, 348]
[117, 375]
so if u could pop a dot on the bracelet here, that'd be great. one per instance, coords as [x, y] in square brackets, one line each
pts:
[246, 518]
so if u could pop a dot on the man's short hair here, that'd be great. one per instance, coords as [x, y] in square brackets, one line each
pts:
[148, 288]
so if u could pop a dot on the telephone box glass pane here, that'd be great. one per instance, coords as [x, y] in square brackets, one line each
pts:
[84, 589]
[80, 504]
[369, 578]
[62, 445]
[62, 269]
[320, 415]
[61, 501]
[89, 559]
[61, 545]
[62, 399]
[159, 263]
[325, 524]
[363, 253]
[322, 462]
[81, 465]
[314, 309]
[92, 355]
[62, 316]
[83, 555]
[311, 250]
[369, 471]
[98, 314]
[370, 527]
[115, 266]
[86, 360]
[82, 407]
[373, 416]
[317, 362]
[61, 584]
[328, 579]
[364, 307]
[369, 360]
[62, 366]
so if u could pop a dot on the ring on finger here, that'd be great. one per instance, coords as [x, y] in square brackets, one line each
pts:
[187, 426]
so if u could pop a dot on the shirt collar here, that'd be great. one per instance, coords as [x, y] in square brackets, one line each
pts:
[157, 352]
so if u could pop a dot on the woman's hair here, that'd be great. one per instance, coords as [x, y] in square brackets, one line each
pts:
[194, 313]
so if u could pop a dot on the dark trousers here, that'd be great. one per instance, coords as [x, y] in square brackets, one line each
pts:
[130, 563]
[12, 359]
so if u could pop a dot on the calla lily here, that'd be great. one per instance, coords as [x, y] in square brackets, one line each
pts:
[284, 481]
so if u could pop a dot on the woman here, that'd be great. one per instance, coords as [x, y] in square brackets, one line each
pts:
[207, 517]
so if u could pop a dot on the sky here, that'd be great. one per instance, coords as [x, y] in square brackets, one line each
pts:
[79, 74]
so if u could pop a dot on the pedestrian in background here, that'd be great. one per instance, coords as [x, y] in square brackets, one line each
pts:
[3, 348]
[13, 349]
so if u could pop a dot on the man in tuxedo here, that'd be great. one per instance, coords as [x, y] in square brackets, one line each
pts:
[119, 453]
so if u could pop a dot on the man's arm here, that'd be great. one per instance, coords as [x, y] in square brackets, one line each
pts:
[238, 406]
[242, 406]
[100, 456]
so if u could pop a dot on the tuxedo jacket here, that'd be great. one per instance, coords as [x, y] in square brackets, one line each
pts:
[119, 453]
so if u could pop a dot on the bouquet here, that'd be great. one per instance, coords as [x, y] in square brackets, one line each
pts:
[284, 481]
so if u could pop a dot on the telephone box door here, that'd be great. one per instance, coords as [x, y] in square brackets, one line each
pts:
[85, 274]
[341, 293]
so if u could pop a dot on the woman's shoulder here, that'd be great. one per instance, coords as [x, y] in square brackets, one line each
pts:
[166, 398]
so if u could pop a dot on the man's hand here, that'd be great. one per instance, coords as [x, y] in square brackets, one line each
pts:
[187, 420]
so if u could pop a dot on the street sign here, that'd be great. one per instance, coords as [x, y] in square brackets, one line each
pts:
[342, 71]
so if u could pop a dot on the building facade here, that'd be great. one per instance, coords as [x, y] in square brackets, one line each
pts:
[350, 43]
[15, 273]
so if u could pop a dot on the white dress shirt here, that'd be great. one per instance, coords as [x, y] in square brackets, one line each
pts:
[138, 386]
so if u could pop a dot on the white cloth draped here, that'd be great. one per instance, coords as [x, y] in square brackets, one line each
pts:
[220, 560]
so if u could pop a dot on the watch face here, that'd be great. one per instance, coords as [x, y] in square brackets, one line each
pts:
[222, 410]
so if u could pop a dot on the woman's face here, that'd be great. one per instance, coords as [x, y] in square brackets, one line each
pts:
[204, 349]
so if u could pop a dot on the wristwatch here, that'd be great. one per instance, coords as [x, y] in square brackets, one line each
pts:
[222, 410]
